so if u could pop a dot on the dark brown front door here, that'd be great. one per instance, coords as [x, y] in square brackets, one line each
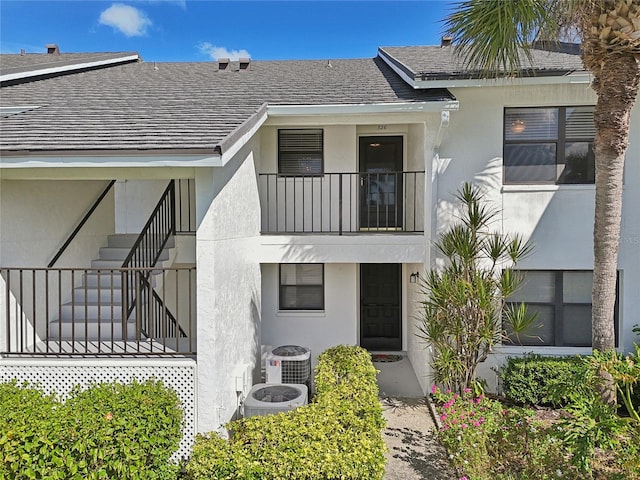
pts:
[380, 312]
[380, 183]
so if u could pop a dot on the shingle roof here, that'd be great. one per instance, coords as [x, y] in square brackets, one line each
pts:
[435, 63]
[185, 105]
[30, 64]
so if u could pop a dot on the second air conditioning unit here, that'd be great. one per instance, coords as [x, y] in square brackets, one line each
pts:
[266, 399]
[289, 364]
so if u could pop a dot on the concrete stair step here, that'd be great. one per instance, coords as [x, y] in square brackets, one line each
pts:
[90, 312]
[104, 295]
[121, 253]
[126, 240]
[91, 330]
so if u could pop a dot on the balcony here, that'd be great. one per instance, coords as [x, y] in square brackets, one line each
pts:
[342, 203]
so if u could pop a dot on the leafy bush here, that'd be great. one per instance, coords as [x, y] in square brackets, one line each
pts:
[106, 431]
[337, 436]
[534, 379]
[30, 434]
[487, 441]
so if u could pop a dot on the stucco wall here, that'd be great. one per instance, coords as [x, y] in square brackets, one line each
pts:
[134, 202]
[228, 284]
[36, 217]
[337, 324]
[417, 349]
[558, 219]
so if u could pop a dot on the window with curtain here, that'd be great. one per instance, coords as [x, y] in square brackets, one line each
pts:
[301, 286]
[549, 145]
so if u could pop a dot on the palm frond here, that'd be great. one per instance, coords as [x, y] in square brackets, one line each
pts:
[494, 35]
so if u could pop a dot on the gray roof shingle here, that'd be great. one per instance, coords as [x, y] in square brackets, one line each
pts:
[436, 63]
[184, 105]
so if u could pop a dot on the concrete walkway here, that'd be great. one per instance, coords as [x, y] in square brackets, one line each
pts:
[413, 450]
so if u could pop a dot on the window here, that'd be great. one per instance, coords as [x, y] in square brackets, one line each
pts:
[300, 152]
[301, 286]
[562, 302]
[549, 145]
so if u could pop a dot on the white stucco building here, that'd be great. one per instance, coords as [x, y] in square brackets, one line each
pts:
[287, 202]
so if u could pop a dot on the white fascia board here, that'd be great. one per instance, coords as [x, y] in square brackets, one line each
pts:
[577, 78]
[66, 68]
[8, 111]
[357, 109]
[127, 161]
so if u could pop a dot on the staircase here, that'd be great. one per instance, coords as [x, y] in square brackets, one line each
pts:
[95, 311]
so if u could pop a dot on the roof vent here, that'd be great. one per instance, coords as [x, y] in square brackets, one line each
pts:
[223, 63]
[52, 49]
[446, 41]
[22, 53]
[244, 63]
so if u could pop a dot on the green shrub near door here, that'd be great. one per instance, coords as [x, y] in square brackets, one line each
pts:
[338, 436]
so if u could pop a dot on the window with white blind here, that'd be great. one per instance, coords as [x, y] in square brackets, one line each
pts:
[549, 145]
[561, 301]
[301, 286]
[300, 151]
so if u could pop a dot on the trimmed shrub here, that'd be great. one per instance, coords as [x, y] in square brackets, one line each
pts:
[31, 434]
[536, 379]
[338, 436]
[106, 431]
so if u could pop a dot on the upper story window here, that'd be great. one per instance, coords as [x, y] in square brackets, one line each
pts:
[549, 145]
[302, 286]
[562, 302]
[300, 151]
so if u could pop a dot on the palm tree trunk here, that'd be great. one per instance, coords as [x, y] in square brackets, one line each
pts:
[616, 84]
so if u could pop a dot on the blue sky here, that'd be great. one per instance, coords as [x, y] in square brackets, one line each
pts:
[197, 30]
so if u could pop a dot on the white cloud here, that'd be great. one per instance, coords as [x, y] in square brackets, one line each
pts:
[127, 19]
[221, 52]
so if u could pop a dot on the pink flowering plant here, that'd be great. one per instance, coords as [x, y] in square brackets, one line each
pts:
[486, 440]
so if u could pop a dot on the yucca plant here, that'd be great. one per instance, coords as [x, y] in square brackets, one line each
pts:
[495, 36]
[465, 311]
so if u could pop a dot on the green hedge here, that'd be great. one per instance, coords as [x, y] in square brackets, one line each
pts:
[533, 379]
[338, 436]
[104, 432]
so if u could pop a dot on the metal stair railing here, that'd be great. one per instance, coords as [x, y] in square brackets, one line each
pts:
[144, 253]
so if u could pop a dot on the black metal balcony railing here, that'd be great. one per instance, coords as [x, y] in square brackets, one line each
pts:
[72, 311]
[339, 203]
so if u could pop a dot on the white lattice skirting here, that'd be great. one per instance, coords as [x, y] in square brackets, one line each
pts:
[59, 376]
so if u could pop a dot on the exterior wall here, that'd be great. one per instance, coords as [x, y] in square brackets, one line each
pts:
[134, 202]
[337, 324]
[417, 350]
[38, 215]
[558, 219]
[228, 285]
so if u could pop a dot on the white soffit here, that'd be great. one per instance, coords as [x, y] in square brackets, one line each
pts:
[357, 109]
[113, 160]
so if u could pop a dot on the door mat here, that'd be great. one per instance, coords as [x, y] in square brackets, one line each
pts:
[384, 358]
